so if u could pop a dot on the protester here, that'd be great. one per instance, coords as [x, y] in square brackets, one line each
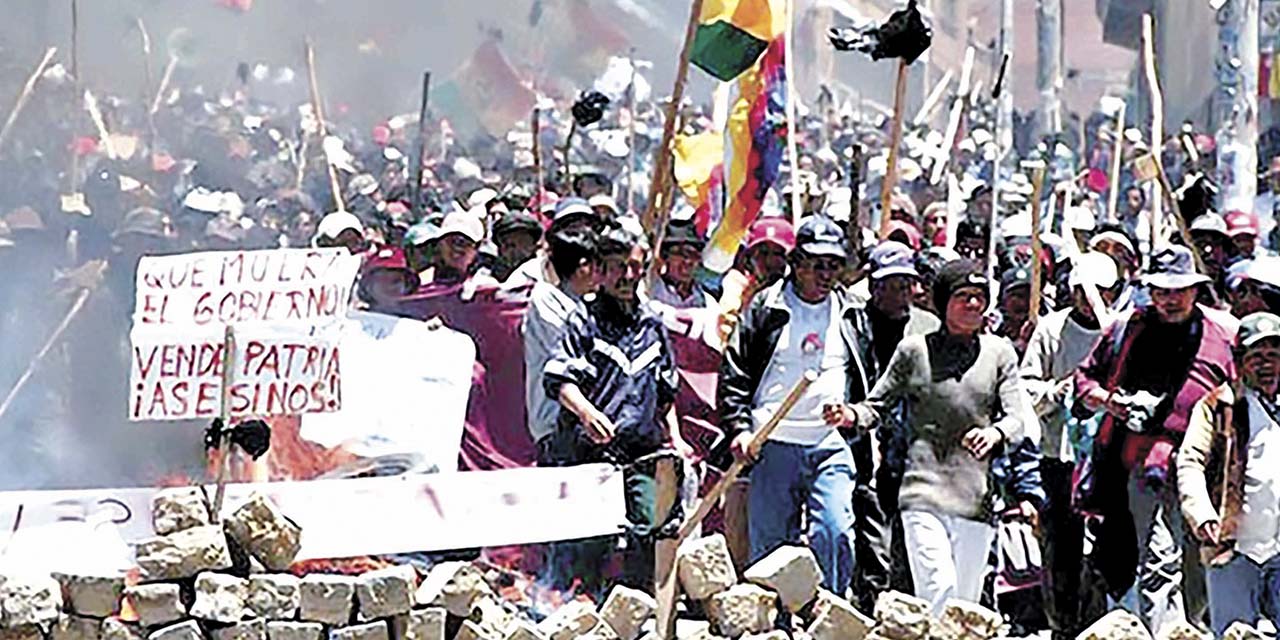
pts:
[1242, 228]
[1015, 307]
[769, 242]
[385, 278]
[1146, 374]
[1227, 478]
[568, 214]
[964, 400]
[457, 244]
[341, 229]
[517, 236]
[802, 323]
[681, 254]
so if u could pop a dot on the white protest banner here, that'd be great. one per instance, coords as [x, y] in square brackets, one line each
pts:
[285, 306]
[405, 390]
[345, 518]
[176, 372]
[216, 288]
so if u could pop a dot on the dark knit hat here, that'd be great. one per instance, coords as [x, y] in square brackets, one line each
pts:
[956, 275]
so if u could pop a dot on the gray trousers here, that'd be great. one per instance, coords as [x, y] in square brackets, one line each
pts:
[1171, 586]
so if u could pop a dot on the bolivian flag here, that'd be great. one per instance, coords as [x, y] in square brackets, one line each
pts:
[732, 34]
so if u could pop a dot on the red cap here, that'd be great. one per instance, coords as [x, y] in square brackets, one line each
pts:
[391, 258]
[775, 230]
[911, 233]
[1240, 223]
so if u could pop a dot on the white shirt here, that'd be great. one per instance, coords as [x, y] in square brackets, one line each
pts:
[809, 341]
[1258, 533]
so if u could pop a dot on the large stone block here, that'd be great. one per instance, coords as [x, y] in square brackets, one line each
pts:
[72, 627]
[602, 631]
[964, 620]
[247, 630]
[188, 630]
[901, 617]
[265, 532]
[368, 631]
[25, 632]
[220, 598]
[386, 592]
[791, 572]
[423, 624]
[573, 619]
[625, 611]
[176, 509]
[274, 596]
[184, 554]
[776, 634]
[327, 598]
[456, 586]
[117, 629]
[474, 631]
[522, 630]
[1183, 630]
[97, 596]
[1116, 625]
[705, 567]
[33, 599]
[156, 604]
[1242, 631]
[743, 609]
[839, 620]
[286, 630]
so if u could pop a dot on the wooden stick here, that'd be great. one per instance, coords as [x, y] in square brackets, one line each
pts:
[931, 103]
[895, 139]
[659, 205]
[165, 79]
[44, 351]
[536, 126]
[953, 121]
[797, 202]
[228, 374]
[27, 90]
[317, 106]
[1157, 114]
[415, 189]
[631, 134]
[564, 154]
[1117, 152]
[1037, 183]
[709, 501]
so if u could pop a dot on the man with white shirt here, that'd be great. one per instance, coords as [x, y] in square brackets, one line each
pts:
[800, 324]
[1229, 481]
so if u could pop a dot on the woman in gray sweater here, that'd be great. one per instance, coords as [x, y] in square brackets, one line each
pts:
[955, 382]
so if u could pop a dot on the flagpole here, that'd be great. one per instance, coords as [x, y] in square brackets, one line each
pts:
[797, 208]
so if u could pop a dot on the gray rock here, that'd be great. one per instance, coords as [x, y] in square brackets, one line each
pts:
[188, 630]
[839, 620]
[423, 624]
[474, 631]
[327, 598]
[29, 600]
[184, 554]
[71, 627]
[790, 571]
[1116, 625]
[1182, 630]
[220, 598]
[294, 630]
[173, 510]
[743, 609]
[386, 592]
[901, 617]
[625, 611]
[117, 629]
[25, 632]
[1241, 631]
[247, 630]
[97, 596]
[368, 631]
[963, 620]
[705, 567]
[156, 604]
[456, 586]
[571, 620]
[265, 532]
[522, 630]
[274, 596]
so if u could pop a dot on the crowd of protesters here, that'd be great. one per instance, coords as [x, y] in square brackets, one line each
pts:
[1119, 430]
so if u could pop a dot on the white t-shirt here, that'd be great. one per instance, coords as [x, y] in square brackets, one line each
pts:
[810, 341]
[1258, 530]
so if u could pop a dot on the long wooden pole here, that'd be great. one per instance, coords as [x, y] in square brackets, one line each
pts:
[953, 120]
[659, 204]
[44, 351]
[793, 153]
[1157, 115]
[631, 134]
[895, 140]
[931, 103]
[27, 90]
[224, 443]
[1117, 153]
[1037, 184]
[564, 154]
[535, 125]
[420, 152]
[317, 106]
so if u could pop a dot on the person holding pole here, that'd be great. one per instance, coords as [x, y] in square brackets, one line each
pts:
[964, 400]
[801, 323]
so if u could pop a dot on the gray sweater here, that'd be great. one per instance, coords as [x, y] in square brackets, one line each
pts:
[941, 476]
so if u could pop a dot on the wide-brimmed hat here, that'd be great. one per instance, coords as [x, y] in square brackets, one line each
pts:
[1173, 267]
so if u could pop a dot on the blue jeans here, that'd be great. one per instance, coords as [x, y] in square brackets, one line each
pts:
[1243, 590]
[789, 477]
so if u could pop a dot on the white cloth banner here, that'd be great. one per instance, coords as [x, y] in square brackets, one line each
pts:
[405, 387]
[54, 530]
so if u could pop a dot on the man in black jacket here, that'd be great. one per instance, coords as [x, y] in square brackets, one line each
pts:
[801, 324]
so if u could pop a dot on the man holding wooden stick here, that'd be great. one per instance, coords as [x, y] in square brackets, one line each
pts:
[802, 323]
